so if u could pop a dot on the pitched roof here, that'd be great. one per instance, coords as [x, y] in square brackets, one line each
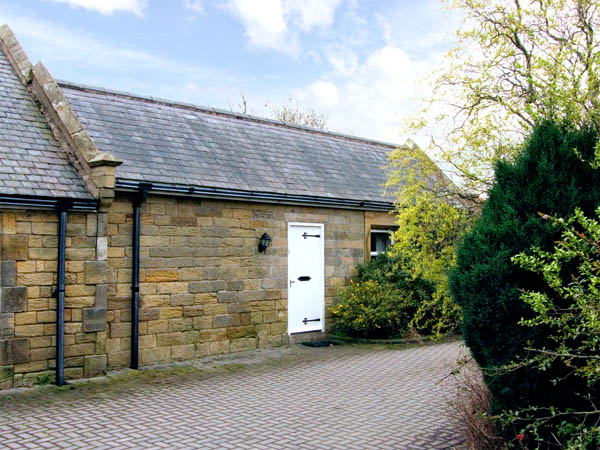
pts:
[31, 161]
[166, 142]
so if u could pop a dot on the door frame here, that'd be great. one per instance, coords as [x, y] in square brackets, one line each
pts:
[321, 286]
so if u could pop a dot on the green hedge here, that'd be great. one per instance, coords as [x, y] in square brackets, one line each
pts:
[547, 176]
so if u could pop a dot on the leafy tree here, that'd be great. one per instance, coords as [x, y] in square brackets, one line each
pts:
[568, 306]
[407, 287]
[290, 113]
[517, 62]
[294, 114]
[548, 176]
[428, 230]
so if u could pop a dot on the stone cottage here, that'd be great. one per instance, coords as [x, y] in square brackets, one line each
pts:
[137, 230]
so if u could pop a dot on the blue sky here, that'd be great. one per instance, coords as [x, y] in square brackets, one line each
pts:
[356, 61]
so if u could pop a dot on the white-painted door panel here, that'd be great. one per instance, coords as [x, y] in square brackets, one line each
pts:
[306, 287]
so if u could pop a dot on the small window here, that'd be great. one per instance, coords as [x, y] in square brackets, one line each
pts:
[381, 240]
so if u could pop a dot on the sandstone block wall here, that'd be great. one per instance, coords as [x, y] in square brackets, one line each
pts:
[204, 288]
[28, 261]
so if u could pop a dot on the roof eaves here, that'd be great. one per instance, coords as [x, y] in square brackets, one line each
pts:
[47, 203]
[125, 185]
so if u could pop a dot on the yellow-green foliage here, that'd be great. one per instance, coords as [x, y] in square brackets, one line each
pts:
[372, 310]
[428, 230]
[380, 301]
[407, 288]
[516, 63]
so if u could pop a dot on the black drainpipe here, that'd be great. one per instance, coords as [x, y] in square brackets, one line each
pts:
[60, 306]
[135, 283]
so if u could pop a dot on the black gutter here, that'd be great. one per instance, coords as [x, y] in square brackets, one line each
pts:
[253, 196]
[38, 202]
[143, 190]
[60, 306]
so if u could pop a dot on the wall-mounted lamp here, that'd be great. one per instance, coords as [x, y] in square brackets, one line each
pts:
[264, 242]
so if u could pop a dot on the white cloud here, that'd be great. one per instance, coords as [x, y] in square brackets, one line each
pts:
[311, 13]
[78, 56]
[385, 25]
[343, 60]
[196, 6]
[59, 44]
[275, 24]
[365, 97]
[389, 64]
[264, 22]
[326, 92]
[109, 6]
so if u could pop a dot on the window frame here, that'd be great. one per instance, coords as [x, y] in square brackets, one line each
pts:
[388, 231]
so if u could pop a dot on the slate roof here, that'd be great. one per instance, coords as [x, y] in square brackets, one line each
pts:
[31, 161]
[165, 142]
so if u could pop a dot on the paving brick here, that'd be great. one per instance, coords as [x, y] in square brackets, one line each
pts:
[333, 398]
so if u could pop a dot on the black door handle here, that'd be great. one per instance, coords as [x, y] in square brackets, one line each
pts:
[305, 321]
[306, 235]
[304, 278]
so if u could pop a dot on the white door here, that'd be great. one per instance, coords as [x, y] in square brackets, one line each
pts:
[306, 287]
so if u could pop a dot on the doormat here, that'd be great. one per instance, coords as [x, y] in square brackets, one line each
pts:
[324, 343]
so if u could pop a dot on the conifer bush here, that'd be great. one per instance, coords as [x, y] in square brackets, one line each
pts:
[552, 175]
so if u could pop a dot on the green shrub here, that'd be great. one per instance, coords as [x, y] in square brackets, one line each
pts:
[425, 243]
[548, 176]
[391, 268]
[570, 308]
[380, 301]
[369, 309]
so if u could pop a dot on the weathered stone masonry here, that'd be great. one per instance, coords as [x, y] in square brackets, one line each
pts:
[28, 301]
[204, 288]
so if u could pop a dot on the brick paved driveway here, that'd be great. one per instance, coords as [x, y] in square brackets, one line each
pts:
[343, 397]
